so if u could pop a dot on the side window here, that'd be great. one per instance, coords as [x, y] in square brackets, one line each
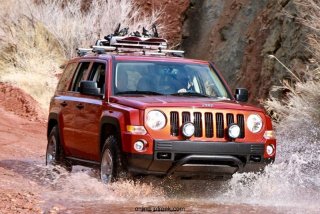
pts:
[81, 70]
[97, 74]
[66, 77]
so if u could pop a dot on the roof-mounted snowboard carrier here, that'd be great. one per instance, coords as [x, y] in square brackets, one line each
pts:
[122, 42]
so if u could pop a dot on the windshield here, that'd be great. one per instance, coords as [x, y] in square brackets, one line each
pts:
[167, 78]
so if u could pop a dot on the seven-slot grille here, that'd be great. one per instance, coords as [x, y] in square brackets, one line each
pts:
[213, 125]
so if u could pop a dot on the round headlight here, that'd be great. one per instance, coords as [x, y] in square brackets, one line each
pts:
[234, 131]
[254, 123]
[156, 120]
[188, 130]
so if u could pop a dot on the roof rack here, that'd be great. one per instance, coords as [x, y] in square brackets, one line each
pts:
[134, 49]
[121, 42]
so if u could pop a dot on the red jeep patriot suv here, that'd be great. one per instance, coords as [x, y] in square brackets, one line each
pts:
[124, 109]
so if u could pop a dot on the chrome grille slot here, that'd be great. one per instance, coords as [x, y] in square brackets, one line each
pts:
[174, 123]
[208, 117]
[198, 124]
[186, 117]
[219, 125]
[240, 121]
[230, 119]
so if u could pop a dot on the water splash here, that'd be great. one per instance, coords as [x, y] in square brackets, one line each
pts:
[84, 185]
[293, 181]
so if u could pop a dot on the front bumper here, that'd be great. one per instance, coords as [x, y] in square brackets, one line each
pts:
[189, 158]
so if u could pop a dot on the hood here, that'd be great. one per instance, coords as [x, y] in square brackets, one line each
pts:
[146, 101]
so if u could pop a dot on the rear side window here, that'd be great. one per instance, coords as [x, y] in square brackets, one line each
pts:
[97, 74]
[81, 71]
[66, 77]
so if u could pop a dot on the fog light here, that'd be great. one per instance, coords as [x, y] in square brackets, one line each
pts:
[188, 130]
[270, 149]
[234, 131]
[139, 146]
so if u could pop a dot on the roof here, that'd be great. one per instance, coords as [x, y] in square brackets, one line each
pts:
[133, 57]
[158, 58]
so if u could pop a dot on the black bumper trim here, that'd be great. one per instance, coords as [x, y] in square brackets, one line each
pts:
[139, 156]
[193, 158]
[188, 158]
[214, 148]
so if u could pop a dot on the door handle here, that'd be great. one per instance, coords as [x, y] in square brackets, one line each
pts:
[80, 106]
[64, 104]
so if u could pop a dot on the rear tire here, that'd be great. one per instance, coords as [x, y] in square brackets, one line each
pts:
[111, 166]
[54, 153]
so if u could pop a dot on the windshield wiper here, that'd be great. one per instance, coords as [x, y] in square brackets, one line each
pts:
[139, 92]
[190, 93]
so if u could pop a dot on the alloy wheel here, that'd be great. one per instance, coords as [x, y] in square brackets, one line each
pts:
[106, 166]
[51, 151]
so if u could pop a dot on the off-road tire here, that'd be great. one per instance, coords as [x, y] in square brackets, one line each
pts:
[111, 167]
[54, 152]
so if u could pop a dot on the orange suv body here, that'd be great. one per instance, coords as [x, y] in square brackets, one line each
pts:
[160, 128]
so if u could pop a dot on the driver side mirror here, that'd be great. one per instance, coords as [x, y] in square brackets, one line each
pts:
[242, 94]
[89, 88]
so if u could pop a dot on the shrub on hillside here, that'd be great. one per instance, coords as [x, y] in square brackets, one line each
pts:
[298, 115]
[37, 36]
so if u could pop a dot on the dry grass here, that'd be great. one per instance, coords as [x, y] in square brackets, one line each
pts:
[30, 59]
[35, 39]
[74, 28]
[302, 103]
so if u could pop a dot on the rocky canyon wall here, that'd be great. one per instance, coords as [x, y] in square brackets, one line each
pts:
[239, 35]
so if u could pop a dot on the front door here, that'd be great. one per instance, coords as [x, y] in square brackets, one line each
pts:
[87, 117]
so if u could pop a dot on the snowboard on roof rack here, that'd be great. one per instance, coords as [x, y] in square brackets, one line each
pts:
[123, 39]
[133, 42]
[122, 42]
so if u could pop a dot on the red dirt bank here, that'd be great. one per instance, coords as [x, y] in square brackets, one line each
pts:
[16, 100]
[22, 145]
[20, 140]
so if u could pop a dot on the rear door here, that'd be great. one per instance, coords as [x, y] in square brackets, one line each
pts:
[70, 104]
[63, 104]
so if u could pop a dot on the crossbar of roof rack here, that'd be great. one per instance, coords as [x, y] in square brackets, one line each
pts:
[171, 51]
[151, 53]
[83, 51]
[133, 49]
[140, 46]
[103, 48]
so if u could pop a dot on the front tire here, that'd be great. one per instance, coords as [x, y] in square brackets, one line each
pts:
[111, 167]
[54, 153]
